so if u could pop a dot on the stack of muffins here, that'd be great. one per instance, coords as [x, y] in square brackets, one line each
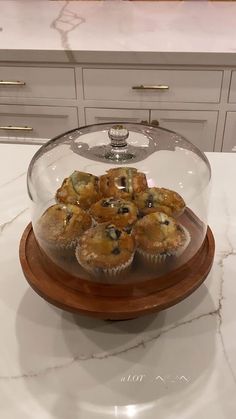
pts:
[106, 220]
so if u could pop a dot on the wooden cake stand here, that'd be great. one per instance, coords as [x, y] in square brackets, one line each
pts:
[124, 299]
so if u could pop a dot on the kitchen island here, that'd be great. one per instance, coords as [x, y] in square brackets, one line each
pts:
[65, 64]
[116, 32]
[180, 363]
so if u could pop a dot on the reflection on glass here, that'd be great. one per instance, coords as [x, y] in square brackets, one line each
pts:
[162, 159]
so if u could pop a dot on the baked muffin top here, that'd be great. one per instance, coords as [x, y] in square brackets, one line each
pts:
[159, 233]
[105, 246]
[80, 188]
[122, 182]
[63, 224]
[119, 211]
[159, 199]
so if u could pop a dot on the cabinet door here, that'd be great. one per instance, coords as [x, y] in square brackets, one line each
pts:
[98, 116]
[35, 124]
[232, 94]
[199, 127]
[229, 143]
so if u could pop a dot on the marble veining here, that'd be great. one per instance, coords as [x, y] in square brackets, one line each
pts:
[8, 223]
[66, 22]
[224, 255]
[102, 356]
[118, 32]
[13, 179]
[219, 310]
[50, 360]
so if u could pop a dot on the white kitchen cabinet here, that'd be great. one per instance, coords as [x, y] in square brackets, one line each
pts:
[230, 132]
[152, 85]
[199, 127]
[98, 116]
[58, 97]
[37, 82]
[35, 124]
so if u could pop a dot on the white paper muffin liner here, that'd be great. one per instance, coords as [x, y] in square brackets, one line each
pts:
[181, 250]
[161, 258]
[153, 258]
[107, 272]
[58, 246]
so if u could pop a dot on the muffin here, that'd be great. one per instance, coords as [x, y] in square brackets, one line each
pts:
[121, 212]
[159, 199]
[60, 226]
[80, 189]
[158, 236]
[105, 250]
[122, 182]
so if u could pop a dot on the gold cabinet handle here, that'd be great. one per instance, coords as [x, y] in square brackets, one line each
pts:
[15, 128]
[12, 83]
[154, 87]
[155, 122]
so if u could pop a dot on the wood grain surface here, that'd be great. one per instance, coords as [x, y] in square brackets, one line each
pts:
[112, 301]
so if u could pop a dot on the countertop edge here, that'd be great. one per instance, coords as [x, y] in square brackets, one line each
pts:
[119, 57]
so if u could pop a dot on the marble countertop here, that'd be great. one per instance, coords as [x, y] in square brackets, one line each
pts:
[179, 32]
[180, 363]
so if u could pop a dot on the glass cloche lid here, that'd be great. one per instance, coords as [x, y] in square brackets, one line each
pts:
[119, 202]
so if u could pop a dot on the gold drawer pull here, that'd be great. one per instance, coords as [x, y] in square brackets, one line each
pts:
[12, 128]
[155, 87]
[12, 83]
[153, 122]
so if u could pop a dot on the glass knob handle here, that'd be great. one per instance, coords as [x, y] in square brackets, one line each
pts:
[155, 122]
[118, 135]
[118, 149]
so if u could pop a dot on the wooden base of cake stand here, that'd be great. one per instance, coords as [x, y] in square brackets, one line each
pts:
[113, 302]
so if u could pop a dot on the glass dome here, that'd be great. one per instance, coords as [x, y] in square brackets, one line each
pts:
[119, 203]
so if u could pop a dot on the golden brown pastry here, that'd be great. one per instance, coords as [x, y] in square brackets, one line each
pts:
[158, 236]
[159, 199]
[121, 212]
[105, 250]
[122, 182]
[80, 189]
[62, 225]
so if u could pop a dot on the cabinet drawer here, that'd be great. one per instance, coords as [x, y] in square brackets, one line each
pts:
[199, 127]
[35, 123]
[35, 82]
[152, 85]
[98, 116]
